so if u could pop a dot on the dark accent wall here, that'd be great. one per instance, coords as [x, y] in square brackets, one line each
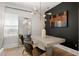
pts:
[70, 33]
[78, 25]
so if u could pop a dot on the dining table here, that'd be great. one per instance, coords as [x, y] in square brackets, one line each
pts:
[46, 43]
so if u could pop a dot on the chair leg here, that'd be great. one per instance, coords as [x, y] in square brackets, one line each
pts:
[23, 51]
[33, 52]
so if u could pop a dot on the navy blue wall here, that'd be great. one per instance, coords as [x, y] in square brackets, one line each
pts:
[70, 33]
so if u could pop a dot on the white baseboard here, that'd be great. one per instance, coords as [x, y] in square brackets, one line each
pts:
[75, 52]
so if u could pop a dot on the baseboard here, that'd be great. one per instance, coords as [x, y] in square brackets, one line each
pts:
[75, 52]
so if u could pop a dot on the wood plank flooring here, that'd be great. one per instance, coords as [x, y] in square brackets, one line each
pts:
[60, 52]
[18, 52]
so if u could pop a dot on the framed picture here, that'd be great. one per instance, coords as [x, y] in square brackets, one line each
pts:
[59, 20]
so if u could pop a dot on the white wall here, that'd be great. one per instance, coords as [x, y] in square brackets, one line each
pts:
[1, 23]
[36, 23]
[20, 26]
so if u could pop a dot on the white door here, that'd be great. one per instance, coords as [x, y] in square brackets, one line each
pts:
[10, 30]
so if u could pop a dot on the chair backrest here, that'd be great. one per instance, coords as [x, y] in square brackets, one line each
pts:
[28, 48]
[27, 37]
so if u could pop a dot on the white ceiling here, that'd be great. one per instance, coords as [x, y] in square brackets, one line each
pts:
[39, 6]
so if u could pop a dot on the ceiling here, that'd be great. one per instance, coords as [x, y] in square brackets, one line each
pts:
[40, 7]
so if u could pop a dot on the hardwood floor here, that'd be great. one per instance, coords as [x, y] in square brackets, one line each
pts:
[60, 52]
[15, 52]
[18, 52]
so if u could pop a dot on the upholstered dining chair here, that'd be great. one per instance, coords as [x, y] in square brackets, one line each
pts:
[28, 45]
